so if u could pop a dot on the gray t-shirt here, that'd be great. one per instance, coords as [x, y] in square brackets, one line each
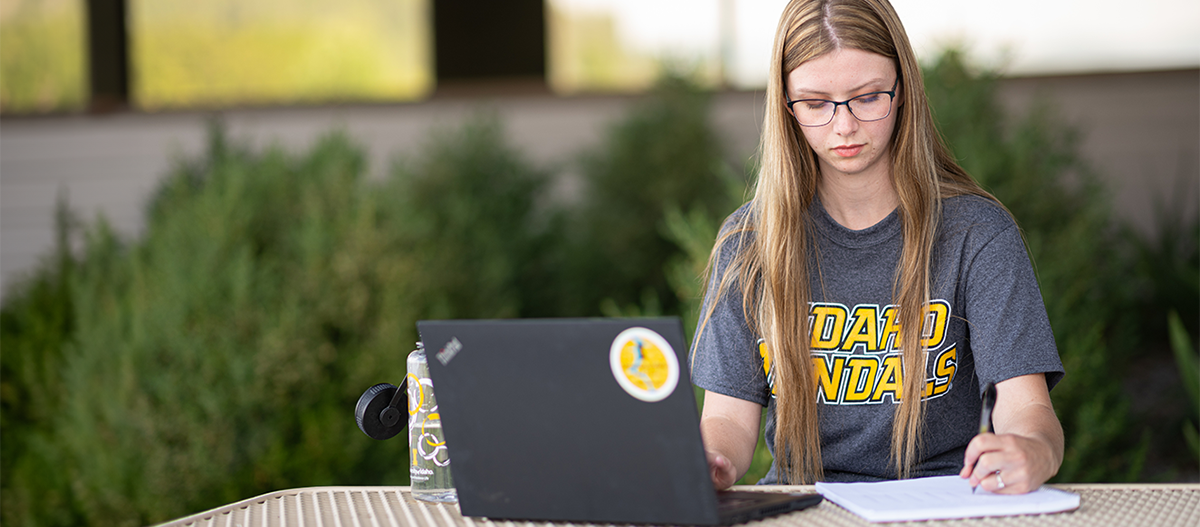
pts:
[987, 323]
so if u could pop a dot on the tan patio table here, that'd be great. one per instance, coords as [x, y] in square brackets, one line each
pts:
[1123, 505]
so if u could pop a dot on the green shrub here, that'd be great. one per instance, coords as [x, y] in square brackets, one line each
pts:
[475, 221]
[1189, 371]
[664, 155]
[217, 357]
[1167, 268]
[35, 325]
[220, 356]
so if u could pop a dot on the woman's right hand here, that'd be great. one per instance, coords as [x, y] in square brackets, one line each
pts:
[722, 471]
[730, 430]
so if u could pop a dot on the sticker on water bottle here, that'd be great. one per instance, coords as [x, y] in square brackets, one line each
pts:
[644, 364]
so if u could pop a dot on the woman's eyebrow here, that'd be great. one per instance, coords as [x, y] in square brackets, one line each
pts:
[819, 93]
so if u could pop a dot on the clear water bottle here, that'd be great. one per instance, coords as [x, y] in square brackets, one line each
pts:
[429, 472]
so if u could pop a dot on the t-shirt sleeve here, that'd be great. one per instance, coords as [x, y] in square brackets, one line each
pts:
[725, 356]
[1009, 330]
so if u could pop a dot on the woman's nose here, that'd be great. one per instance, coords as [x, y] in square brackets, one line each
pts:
[844, 122]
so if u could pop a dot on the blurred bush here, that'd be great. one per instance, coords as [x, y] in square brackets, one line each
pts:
[475, 224]
[663, 157]
[216, 357]
[36, 325]
[1189, 371]
[220, 355]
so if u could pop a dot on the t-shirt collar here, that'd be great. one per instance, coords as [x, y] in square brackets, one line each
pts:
[876, 234]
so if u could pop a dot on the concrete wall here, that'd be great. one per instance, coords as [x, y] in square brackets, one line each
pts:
[1142, 132]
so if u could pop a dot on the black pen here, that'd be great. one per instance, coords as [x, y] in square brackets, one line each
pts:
[985, 417]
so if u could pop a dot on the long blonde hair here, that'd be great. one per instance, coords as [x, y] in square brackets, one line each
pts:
[771, 266]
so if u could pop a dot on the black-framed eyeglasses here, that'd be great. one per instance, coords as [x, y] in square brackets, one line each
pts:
[866, 107]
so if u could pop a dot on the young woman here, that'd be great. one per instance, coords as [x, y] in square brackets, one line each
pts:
[870, 288]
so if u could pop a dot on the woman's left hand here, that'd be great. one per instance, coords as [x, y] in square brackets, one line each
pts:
[1026, 449]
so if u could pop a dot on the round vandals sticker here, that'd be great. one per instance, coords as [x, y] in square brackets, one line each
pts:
[644, 364]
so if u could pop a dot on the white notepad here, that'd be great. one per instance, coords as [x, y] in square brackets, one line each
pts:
[940, 498]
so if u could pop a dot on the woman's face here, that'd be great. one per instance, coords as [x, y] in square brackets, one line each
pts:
[847, 147]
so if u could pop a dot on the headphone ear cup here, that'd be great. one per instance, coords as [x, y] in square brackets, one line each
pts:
[368, 412]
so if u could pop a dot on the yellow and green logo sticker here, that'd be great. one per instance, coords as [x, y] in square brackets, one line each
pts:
[644, 364]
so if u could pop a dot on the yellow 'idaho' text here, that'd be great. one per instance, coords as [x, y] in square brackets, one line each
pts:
[835, 327]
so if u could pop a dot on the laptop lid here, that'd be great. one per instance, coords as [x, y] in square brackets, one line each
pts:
[572, 420]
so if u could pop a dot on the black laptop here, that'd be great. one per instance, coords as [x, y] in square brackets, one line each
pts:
[583, 420]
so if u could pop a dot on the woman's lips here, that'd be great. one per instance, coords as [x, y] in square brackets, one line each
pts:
[848, 150]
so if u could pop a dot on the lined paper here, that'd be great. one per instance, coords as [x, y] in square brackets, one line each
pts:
[940, 498]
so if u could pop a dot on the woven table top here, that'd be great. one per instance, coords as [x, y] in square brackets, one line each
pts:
[1100, 505]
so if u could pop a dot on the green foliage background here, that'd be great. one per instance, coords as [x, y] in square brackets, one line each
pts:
[219, 356]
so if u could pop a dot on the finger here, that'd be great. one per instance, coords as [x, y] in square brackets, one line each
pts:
[986, 467]
[991, 482]
[1006, 482]
[970, 459]
[979, 445]
[999, 473]
[1016, 481]
[1003, 453]
[983, 443]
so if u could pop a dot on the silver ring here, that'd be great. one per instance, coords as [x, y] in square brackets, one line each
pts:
[1000, 481]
